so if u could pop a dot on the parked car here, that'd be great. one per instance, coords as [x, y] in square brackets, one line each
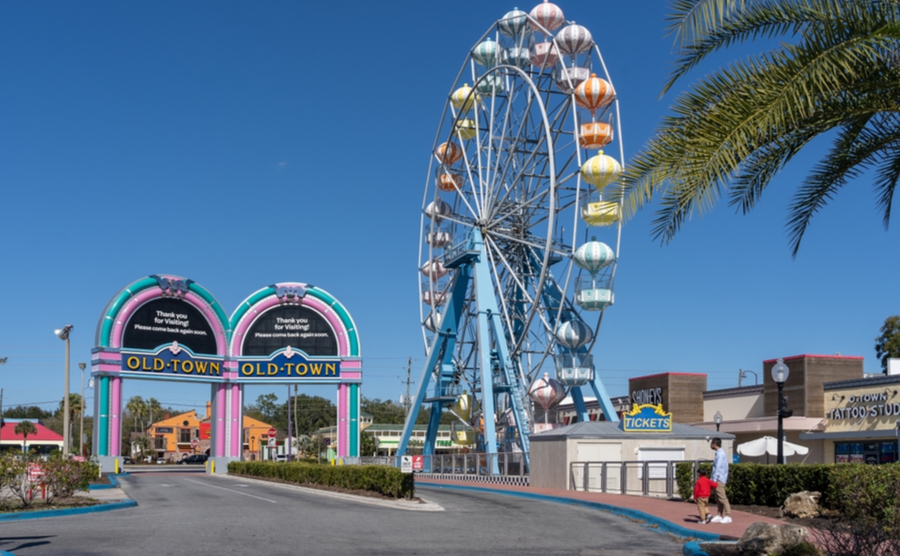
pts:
[281, 457]
[127, 460]
[160, 460]
[194, 458]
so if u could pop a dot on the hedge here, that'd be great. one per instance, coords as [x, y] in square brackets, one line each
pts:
[388, 481]
[852, 489]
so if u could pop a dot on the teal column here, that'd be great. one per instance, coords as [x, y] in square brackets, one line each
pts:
[103, 436]
[354, 420]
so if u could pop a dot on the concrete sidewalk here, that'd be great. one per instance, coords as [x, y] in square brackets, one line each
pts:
[679, 514]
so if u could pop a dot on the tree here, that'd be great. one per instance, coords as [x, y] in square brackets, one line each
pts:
[25, 428]
[384, 412]
[154, 409]
[136, 406]
[29, 412]
[887, 345]
[144, 444]
[367, 444]
[835, 72]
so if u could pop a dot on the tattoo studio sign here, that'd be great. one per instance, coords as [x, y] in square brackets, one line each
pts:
[873, 404]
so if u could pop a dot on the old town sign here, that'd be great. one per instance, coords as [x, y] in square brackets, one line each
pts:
[647, 418]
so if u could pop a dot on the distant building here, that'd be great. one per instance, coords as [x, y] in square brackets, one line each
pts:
[43, 442]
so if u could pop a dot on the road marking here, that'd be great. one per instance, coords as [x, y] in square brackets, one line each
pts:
[230, 490]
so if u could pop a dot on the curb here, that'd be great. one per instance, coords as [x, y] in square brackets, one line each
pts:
[692, 548]
[69, 511]
[113, 480]
[651, 521]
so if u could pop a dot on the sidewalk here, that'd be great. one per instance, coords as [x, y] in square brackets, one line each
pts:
[679, 514]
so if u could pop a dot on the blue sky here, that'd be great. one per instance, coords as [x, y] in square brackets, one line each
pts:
[242, 144]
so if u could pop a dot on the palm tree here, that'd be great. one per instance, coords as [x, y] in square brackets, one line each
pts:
[144, 444]
[25, 428]
[835, 71]
[153, 408]
[136, 407]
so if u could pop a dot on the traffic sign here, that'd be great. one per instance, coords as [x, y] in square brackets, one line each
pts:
[195, 442]
[271, 442]
[406, 464]
[272, 433]
[418, 463]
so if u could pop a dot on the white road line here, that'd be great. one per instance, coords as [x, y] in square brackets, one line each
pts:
[230, 490]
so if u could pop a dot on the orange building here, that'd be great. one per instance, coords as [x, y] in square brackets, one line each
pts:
[173, 437]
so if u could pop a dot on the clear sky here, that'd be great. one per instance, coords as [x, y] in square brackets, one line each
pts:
[243, 144]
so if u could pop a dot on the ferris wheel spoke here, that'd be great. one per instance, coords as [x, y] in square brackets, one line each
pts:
[504, 309]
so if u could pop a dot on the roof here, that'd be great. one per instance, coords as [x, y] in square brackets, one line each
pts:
[809, 356]
[611, 430]
[733, 392]
[862, 382]
[8, 432]
[664, 374]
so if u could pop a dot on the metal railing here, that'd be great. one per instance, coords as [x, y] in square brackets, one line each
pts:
[642, 478]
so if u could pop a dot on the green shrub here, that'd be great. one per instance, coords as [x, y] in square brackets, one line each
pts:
[763, 485]
[388, 481]
[860, 491]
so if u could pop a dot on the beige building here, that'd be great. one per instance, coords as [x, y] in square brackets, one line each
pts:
[861, 421]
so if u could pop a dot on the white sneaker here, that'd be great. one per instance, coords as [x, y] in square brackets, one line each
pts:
[726, 519]
[717, 519]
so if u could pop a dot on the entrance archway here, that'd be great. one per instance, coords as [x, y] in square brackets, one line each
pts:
[170, 328]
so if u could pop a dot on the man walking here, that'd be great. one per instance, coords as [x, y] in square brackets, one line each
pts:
[720, 475]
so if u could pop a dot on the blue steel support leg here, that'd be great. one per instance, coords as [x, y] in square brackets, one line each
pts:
[440, 353]
[603, 399]
[580, 408]
[487, 306]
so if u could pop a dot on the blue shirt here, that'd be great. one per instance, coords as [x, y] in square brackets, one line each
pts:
[720, 467]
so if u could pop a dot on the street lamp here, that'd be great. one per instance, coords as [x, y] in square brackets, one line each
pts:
[780, 373]
[63, 334]
[81, 434]
[897, 457]
[718, 419]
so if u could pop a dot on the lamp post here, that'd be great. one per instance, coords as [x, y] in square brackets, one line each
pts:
[81, 412]
[780, 374]
[718, 419]
[63, 334]
[897, 430]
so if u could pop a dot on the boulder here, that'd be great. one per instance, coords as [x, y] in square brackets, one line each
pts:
[761, 539]
[802, 504]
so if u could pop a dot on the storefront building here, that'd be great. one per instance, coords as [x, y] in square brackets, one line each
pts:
[861, 421]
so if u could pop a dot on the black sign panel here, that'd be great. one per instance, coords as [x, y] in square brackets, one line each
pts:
[166, 320]
[290, 325]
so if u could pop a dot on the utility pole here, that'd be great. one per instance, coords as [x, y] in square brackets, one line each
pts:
[296, 420]
[289, 442]
[406, 403]
[740, 376]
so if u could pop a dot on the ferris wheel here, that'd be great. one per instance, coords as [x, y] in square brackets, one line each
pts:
[519, 242]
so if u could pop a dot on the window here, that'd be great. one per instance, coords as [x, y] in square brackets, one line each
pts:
[184, 435]
[159, 443]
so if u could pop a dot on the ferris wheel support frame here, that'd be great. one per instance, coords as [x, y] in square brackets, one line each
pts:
[473, 266]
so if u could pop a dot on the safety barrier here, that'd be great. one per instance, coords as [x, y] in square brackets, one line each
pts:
[642, 478]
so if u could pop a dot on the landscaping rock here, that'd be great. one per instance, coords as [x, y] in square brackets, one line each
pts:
[761, 539]
[802, 504]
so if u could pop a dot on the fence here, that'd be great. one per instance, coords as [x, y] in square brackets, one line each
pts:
[642, 478]
[510, 467]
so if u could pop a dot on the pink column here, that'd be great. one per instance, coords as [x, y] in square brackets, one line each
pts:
[343, 447]
[115, 428]
[220, 420]
[237, 438]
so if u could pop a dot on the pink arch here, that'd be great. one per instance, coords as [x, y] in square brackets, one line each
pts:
[237, 338]
[135, 302]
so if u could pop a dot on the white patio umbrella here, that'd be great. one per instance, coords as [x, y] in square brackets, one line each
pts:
[769, 445]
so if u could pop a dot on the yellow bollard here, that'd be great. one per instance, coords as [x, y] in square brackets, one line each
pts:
[212, 467]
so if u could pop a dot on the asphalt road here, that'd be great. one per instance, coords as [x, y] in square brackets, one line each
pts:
[185, 512]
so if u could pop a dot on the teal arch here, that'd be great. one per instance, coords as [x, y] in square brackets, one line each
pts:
[104, 327]
[321, 295]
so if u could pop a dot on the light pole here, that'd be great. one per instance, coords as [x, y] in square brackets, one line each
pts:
[63, 334]
[780, 374]
[897, 456]
[718, 419]
[81, 433]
